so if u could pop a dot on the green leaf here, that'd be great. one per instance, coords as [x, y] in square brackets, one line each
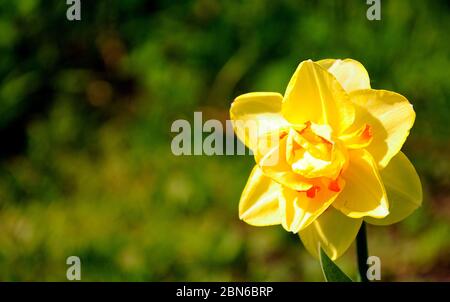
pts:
[330, 270]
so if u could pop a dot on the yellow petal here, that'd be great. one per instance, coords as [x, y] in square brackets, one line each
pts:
[259, 200]
[298, 210]
[403, 189]
[364, 193]
[350, 73]
[333, 230]
[326, 63]
[275, 165]
[314, 95]
[390, 115]
[256, 113]
[360, 138]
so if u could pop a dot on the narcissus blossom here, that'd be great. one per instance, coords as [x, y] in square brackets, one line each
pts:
[327, 155]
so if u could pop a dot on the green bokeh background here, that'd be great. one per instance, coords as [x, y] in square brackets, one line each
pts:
[86, 108]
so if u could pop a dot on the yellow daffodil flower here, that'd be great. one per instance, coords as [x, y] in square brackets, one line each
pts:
[327, 155]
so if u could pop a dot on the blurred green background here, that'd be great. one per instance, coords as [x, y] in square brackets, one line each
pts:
[85, 115]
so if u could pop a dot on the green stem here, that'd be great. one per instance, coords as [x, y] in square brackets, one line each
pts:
[362, 252]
